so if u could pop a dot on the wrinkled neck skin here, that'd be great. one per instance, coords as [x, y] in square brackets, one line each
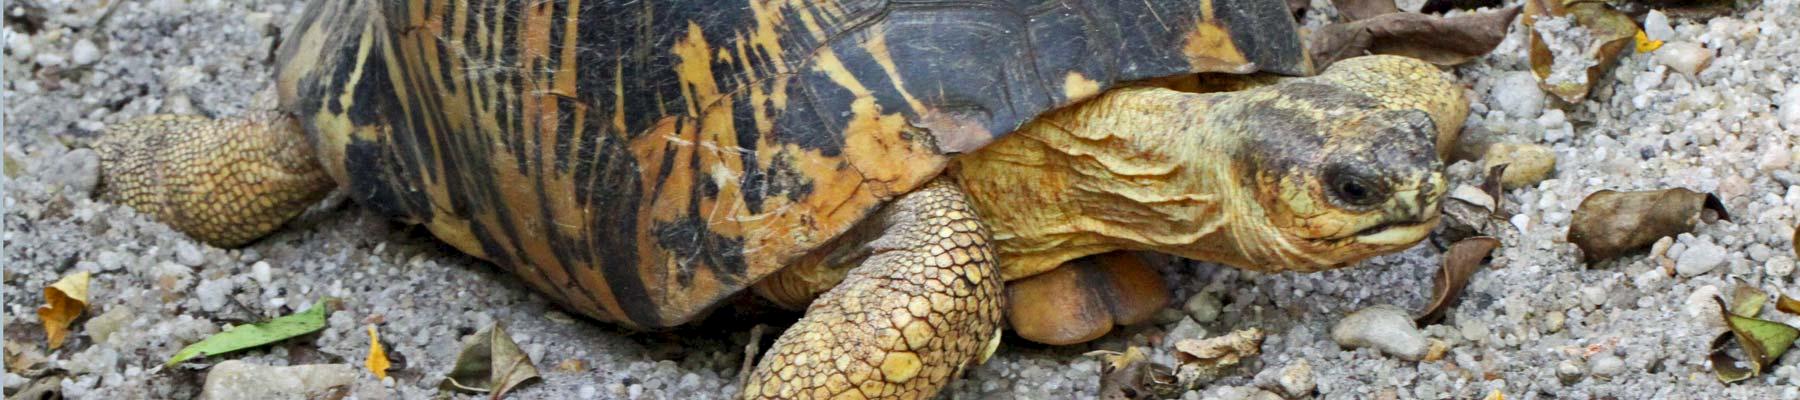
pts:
[1134, 169]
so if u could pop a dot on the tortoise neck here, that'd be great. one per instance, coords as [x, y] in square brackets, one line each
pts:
[1133, 169]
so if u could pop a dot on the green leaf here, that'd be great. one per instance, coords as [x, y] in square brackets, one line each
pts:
[255, 335]
[1763, 342]
[490, 363]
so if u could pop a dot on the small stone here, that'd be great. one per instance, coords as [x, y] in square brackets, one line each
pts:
[214, 294]
[1386, 328]
[1569, 372]
[1701, 307]
[1779, 267]
[1700, 259]
[1687, 57]
[261, 273]
[103, 326]
[1297, 379]
[1517, 94]
[188, 254]
[1608, 365]
[1202, 307]
[1186, 329]
[1790, 107]
[235, 379]
[1527, 164]
[1656, 26]
[84, 52]
[78, 171]
[1168, 316]
[1592, 297]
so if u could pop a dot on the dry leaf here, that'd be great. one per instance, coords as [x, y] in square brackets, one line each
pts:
[1644, 44]
[1131, 375]
[1492, 184]
[377, 362]
[1460, 263]
[1357, 10]
[490, 362]
[1586, 39]
[1609, 223]
[1204, 360]
[1435, 39]
[1443, 6]
[1763, 342]
[63, 302]
[1747, 300]
[1788, 305]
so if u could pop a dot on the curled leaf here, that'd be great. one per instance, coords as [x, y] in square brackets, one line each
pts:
[1747, 300]
[1460, 263]
[377, 362]
[1203, 360]
[1435, 39]
[63, 302]
[1644, 44]
[1574, 43]
[1130, 375]
[1727, 368]
[1609, 223]
[258, 334]
[1763, 342]
[490, 362]
[1357, 10]
[1788, 305]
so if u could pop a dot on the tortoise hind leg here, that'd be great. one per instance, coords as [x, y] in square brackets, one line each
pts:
[920, 309]
[1083, 299]
[225, 182]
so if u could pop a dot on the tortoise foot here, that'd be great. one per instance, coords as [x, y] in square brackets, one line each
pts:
[916, 313]
[225, 182]
[1083, 299]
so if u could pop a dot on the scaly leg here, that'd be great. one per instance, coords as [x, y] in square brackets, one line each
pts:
[922, 308]
[225, 182]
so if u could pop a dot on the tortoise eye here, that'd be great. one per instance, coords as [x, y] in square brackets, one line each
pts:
[1357, 191]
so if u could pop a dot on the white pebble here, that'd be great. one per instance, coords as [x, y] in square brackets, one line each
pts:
[1700, 259]
[1779, 267]
[1385, 328]
[1608, 365]
[1687, 57]
[1656, 26]
[1790, 108]
[260, 272]
[1517, 94]
[84, 52]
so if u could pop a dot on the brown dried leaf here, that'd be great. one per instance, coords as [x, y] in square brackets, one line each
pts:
[1724, 365]
[1610, 223]
[490, 362]
[1357, 10]
[1460, 263]
[1492, 185]
[1443, 6]
[1608, 32]
[1788, 305]
[63, 302]
[1131, 375]
[1203, 360]
[1435, 39]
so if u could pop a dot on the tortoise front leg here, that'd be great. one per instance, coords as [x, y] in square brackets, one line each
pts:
[923, 307]
[225, 182]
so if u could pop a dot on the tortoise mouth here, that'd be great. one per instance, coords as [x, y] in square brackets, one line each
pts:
[1397, 232]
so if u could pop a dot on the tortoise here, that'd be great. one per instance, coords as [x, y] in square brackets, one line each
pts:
[915, 175]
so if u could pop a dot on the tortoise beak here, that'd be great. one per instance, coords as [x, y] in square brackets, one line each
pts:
[1413, 214]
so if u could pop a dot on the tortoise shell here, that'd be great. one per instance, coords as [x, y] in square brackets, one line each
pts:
[639, 161]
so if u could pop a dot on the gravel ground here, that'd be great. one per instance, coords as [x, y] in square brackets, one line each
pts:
[1537, 324]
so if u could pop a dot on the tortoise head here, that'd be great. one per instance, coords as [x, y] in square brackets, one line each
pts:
[1336, 173]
